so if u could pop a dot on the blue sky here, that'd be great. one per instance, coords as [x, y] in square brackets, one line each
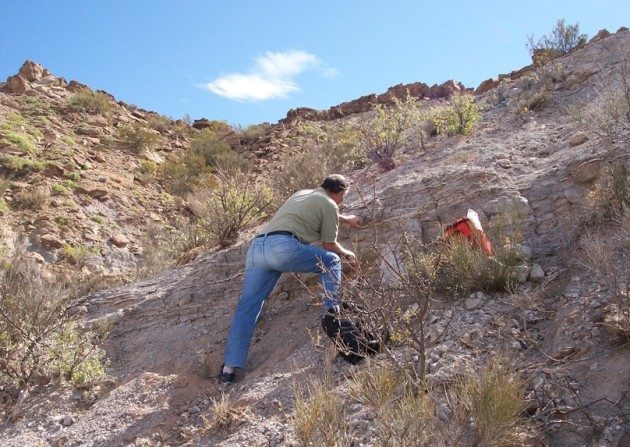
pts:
[247, 62]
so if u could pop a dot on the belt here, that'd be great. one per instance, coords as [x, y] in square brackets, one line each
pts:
[284, 233]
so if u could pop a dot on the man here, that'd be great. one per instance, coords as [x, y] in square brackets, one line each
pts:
[307, 216]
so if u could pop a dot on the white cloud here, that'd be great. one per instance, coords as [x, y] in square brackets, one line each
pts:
[272, 77]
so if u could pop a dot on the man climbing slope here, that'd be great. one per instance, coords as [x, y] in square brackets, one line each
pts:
[307, 216]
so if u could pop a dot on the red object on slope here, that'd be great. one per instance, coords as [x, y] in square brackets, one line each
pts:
[464, 227]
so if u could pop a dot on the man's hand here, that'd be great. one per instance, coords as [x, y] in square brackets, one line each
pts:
[352, 259]
[352, 220]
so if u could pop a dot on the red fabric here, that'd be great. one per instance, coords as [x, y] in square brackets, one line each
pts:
[464, 227]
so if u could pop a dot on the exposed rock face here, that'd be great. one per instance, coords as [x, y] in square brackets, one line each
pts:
[32, 71]
[366, 103]
[531, 169]
[17, 84]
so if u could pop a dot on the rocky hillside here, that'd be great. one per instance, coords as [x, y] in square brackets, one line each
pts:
[561, 326]
[73, 185]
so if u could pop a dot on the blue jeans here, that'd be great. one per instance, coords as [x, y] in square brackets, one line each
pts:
[267, 258]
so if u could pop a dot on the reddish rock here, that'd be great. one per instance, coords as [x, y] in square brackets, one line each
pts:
[366, 103]
[31, 71]
[486, 85]
[75, 87]
[601, 34]
[17, 84]
[119, 240]
[51, 240]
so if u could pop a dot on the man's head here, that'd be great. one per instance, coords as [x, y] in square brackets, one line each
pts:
[336, 186]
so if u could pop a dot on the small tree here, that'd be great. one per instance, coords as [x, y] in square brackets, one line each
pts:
[563, 38]
[387, 131]
[237, 202]
[457, 118]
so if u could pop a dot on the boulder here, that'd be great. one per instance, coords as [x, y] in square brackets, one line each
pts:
[51, 240]
[119, 240]
[31, 71]
[537, 274]
[17, 84]
[486, 85]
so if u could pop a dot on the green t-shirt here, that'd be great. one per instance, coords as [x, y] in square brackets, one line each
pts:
[309, 214]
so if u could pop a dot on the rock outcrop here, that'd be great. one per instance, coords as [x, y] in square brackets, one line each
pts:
[366, 103]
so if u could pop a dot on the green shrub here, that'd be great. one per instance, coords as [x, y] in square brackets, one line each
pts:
[60, 190]
[238, 201]
[18, 132]
[387, 131]
[562, 39]
[76, 356]
[39, 338]
[214, 151]
[21, 142]
[91, 102]
[254, 132]
[159, 123]
[3, 206]
[181, 174]
[62, 221]
[138, 138]
[464, 268]
[458, 117]
[73, 176]
[17, 166]
[76, 254]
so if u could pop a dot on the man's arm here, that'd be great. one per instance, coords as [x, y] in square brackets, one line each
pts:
[336, 247]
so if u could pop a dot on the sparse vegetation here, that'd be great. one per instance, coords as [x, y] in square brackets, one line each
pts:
[39, 336]
[608, 116]
[16, 131]
[237, 202]
[58, 189]
[91, 102]
[215, 152]
[609, 200]
[490, 404]
[17, 166]
[562, 39]
[324, 149]
[224, 413]
[606, 258]
[254, 132]
[388, 131]
[319, 415]
[138, 138]
[159, 123]
[76, 254]
[458, 117]
[191, 169]
[32, 199]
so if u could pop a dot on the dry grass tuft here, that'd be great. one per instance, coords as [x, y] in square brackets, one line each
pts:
[320, 418]
[224, 414]
[488, 405]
